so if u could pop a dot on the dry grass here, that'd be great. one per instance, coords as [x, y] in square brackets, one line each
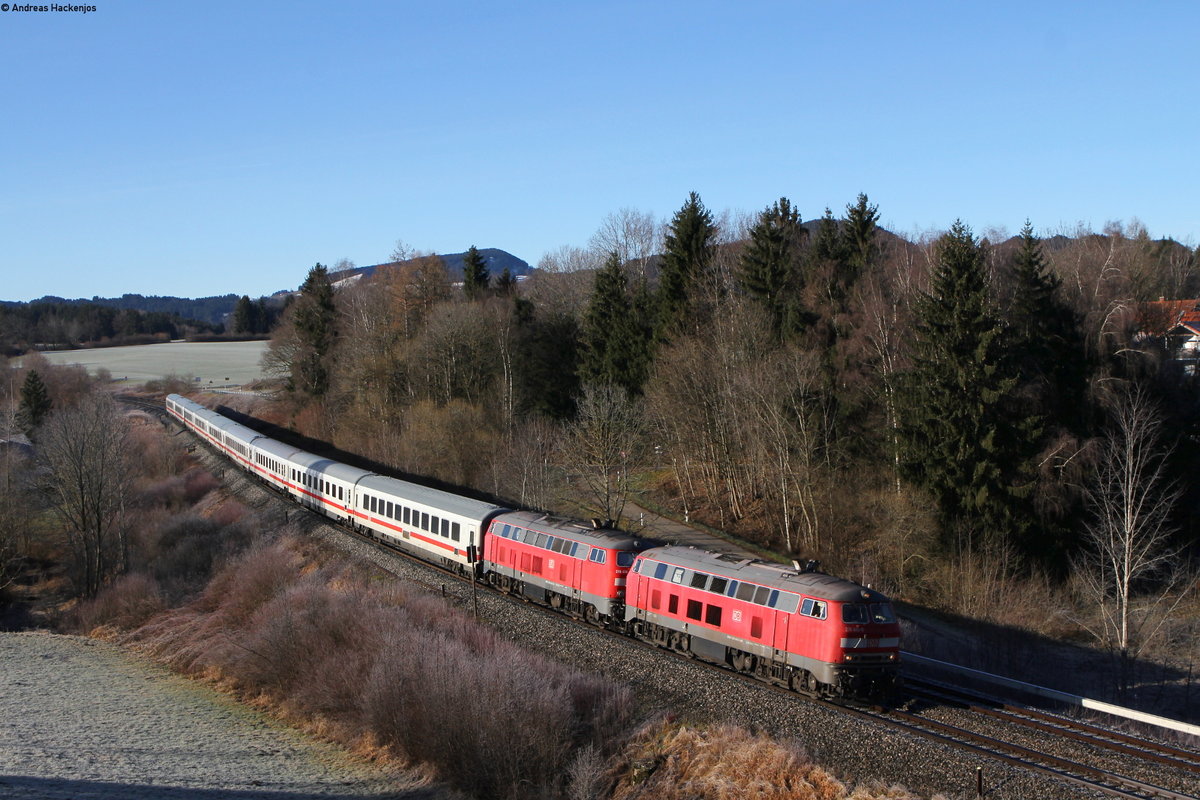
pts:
[670, 761]
[363, 662]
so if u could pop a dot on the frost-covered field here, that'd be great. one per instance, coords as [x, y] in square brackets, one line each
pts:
[83, 719]
[212, 363]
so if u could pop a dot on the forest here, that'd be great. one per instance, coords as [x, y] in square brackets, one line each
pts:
[994, 425]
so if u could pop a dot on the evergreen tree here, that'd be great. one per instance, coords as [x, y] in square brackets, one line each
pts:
[35, 403]
[688, 252]
[616, 350]
[769, 269]
[827, 246]
[546, 362]
[475, 274]
[1045, 337]
[244, 313]
[314, 317]
[859, 243]
[506, 284]
[962, 438]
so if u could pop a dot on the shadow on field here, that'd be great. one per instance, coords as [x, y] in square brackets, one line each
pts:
[70, 789]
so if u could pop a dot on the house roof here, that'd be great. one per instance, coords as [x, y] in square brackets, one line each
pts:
[1161, 317]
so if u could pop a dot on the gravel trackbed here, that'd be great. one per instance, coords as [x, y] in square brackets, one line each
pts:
[85, 720]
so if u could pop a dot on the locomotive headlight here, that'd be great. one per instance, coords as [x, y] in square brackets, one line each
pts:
[848, 657]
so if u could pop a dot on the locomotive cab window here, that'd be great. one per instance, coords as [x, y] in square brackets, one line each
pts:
[813, 608]
[854, 614]
[882, 613]
[625, 558]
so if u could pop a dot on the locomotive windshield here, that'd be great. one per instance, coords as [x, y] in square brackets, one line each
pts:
[862, 613]
[625, 558]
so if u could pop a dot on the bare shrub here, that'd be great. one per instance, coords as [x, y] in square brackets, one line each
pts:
[197, 483]
[124, 604]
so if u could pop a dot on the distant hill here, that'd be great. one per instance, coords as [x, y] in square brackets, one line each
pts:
[496, 261]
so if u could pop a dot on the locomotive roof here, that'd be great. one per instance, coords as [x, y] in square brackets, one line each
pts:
[577, 530]
[766, 573]
[423, 495]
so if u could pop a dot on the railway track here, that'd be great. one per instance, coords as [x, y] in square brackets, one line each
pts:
[1180, 766]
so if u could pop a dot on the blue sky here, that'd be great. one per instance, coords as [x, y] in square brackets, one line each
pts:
[197, 148]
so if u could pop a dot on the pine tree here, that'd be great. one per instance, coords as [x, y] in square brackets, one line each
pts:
[615, 348]
[475, 274]
[35, 403]
[314, 317]
[769, 269]
[1045, 337]
[687, 254]
[962, 438]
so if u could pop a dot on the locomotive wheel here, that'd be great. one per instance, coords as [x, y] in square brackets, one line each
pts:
[814, 685]
[590, 615]
[556, 600]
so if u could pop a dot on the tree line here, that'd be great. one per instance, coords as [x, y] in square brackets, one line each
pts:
[911, 412]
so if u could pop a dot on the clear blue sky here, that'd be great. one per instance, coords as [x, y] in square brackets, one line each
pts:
[200, 147]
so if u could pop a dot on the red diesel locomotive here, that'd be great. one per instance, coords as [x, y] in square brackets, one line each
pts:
[796, 627]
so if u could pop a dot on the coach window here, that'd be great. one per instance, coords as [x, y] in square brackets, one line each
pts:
[407, 515]
[718, 585]
[677, 575]
[435, 524]
[424, 521]
[455, 531]
[712, 615]
[446, 528]
[694, 609]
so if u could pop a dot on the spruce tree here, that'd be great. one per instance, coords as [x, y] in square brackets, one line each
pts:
[475, 274]
[314, 317]
[962, 438]
[243, 316]
[769, 268]
[1045, 337]
[860, 244]
[506, 283]
[615, 347]
[35, 403]
[687, 254]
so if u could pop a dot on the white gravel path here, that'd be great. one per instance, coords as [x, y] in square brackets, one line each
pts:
[85, 720]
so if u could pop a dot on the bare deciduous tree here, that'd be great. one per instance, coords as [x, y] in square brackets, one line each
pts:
[602, 446]
[1127, 572]
[88, 475]
[633, 235]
